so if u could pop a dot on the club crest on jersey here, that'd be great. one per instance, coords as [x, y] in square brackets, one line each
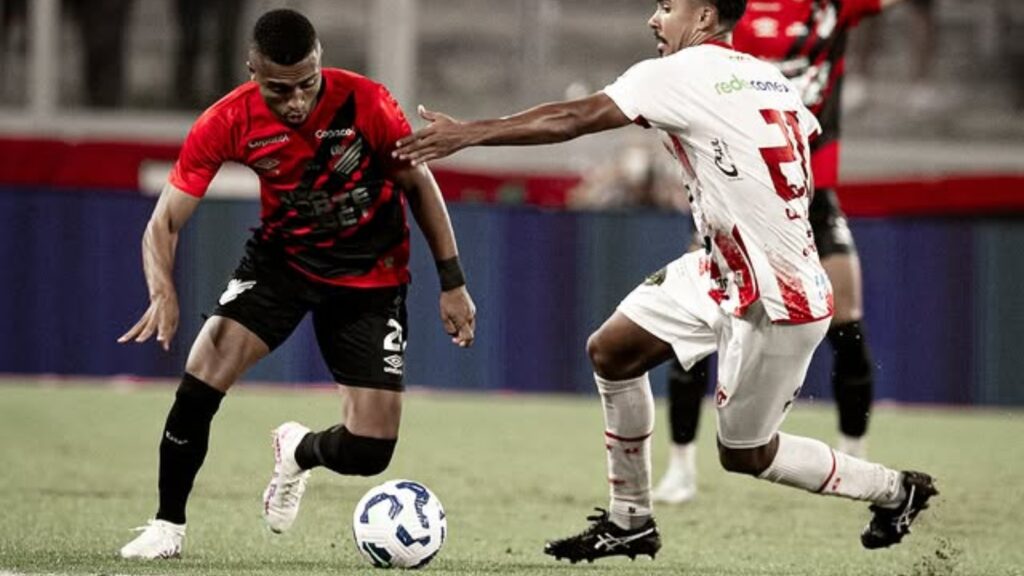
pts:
[656, 279]
[345, 159]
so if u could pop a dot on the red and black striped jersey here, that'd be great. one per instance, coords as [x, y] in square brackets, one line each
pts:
[806, 40]
[329, 204]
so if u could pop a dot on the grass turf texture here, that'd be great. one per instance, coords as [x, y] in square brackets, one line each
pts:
[79, 470]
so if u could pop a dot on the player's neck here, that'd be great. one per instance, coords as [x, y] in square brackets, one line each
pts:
[720, 38]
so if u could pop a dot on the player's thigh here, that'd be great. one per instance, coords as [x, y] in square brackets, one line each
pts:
[621, 349]
[223, 351]
[673, 305]
[257, 311]
[761, 368]
[362, 336]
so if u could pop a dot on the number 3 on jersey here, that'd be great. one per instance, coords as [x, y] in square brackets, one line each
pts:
[793, 151]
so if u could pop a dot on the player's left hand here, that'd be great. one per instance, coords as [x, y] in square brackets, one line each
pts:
[444, 136]
[458, 313]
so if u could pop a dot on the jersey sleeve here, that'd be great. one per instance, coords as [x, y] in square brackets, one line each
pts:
[809, 124]
[207, 146]
[641, 92]
[386, 125]
[852, 11]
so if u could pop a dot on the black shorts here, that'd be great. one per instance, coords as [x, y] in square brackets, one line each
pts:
[361, 331]
[831, 232]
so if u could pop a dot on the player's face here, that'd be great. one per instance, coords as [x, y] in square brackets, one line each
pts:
[289, 91]
[676, 23]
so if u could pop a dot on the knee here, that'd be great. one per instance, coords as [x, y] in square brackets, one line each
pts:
[597, 352]
[749, 461]
[606, 362]
[376, 461]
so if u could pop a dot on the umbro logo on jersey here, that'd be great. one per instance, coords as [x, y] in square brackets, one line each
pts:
[276, 139]
[266, 164]
[234, 289]
[334, 133]
[608, 542]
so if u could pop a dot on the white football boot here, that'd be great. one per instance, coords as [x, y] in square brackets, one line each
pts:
[284, 493]
[159, 539]
[679, 484]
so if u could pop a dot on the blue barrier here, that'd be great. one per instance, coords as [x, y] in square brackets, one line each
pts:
[943, 310]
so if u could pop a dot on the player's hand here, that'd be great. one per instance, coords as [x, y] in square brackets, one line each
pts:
[458, 313]
[444, 136]
[161, 318]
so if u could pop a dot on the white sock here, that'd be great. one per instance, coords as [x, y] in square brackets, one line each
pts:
[682, 458]
[629, 421]
[813, 466]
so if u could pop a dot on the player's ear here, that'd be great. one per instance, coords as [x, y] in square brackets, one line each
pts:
[708, 16]
[252, 71]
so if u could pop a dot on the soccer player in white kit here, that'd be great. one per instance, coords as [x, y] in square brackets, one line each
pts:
[756, 293]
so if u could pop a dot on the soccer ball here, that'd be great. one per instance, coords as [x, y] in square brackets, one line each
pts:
[399, 524]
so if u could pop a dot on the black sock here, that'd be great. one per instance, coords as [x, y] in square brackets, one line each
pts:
[183, 446]
[344, 452]
[685, 392]
[852, 378]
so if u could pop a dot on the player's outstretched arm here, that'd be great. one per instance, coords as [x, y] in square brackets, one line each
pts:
[159, 243]
[544, 124]
[458, 313]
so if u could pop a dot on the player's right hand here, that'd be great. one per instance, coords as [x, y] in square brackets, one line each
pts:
[443, 137]
[160, 318]
[458, 314]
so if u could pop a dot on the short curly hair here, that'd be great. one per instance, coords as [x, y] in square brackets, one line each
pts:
[284, 36]
[730, 11]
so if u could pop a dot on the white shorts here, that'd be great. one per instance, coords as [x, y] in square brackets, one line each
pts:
[761, 365]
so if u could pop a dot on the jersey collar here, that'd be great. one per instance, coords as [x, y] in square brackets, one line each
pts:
[716, 42]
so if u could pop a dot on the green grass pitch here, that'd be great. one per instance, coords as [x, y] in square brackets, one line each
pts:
[79, 464]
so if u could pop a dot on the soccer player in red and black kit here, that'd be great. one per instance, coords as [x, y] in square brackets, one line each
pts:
[333, 241]
[806, 40]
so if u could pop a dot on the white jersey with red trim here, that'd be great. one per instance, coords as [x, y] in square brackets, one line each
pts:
[740, 131]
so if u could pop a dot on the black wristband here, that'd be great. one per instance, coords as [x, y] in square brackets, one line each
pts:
[450, 273]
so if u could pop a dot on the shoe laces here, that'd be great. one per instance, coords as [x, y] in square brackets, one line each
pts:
[151, 524]
[597, 521]
[905, 517]
[289, 491]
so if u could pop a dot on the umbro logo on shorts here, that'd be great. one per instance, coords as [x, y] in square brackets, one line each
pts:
[235, 287]
[393, 364]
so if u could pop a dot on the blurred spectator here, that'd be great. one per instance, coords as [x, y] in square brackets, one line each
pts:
[13, 42]
[102, 27]
[868, 40]
[642, 175]
[223, 17]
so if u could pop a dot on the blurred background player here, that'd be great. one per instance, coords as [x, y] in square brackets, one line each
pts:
[806, 40]
[218, 21]
[640, 176]
[868, 42]
[333, 241]
[757, 294]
